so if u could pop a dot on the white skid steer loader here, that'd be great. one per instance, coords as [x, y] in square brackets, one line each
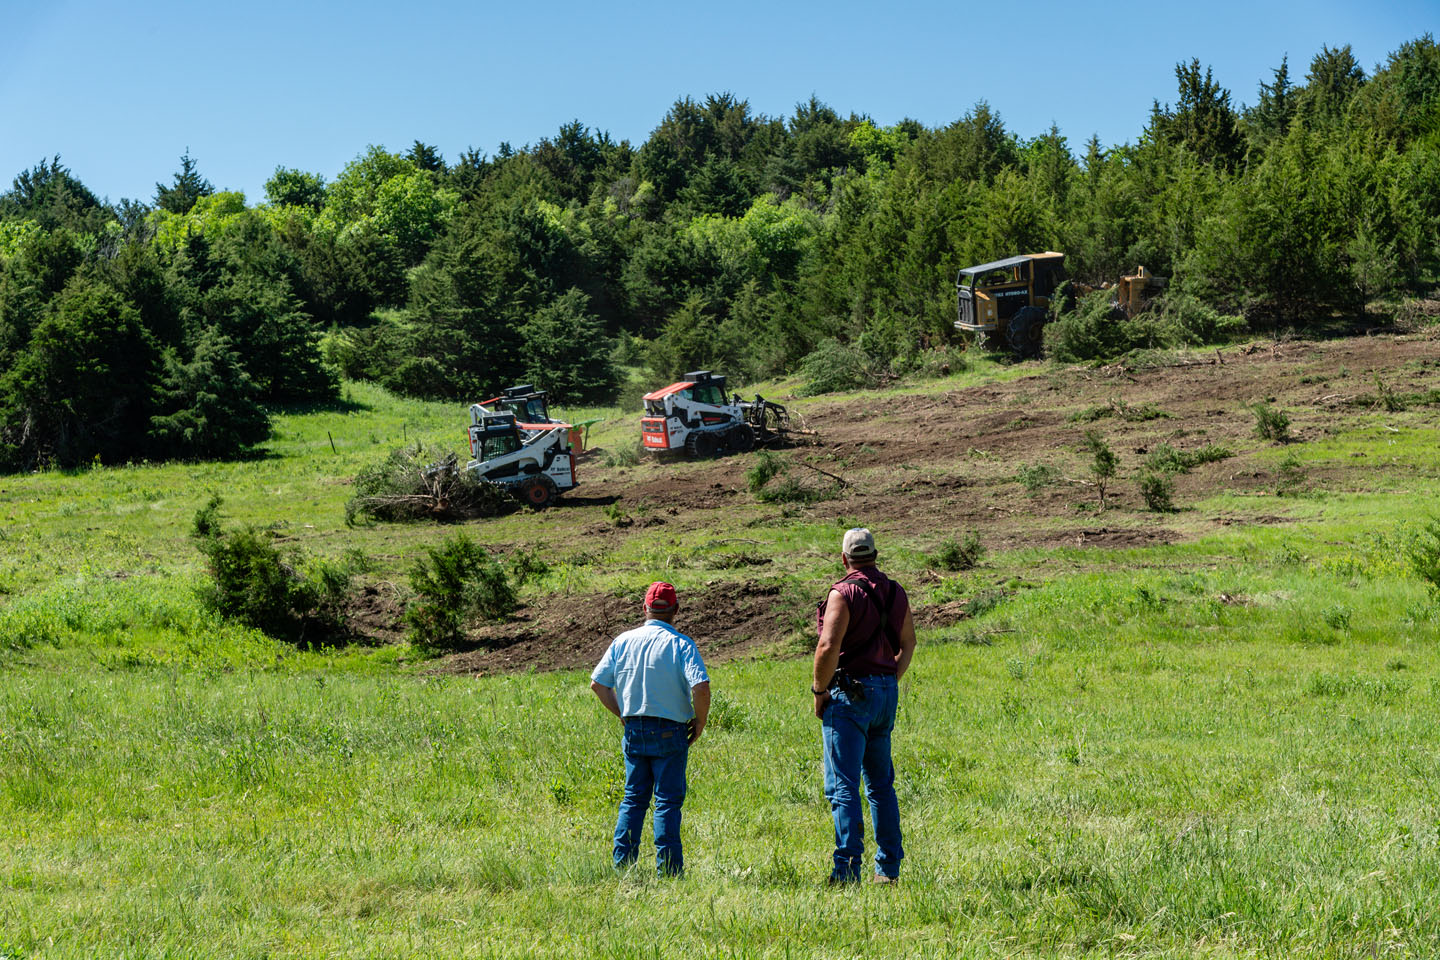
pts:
[535, 461]
[695, 415]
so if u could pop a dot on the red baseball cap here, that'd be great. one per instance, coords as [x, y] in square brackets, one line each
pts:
[661, 597]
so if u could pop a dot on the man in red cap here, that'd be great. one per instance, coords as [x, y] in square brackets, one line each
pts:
[653, 679]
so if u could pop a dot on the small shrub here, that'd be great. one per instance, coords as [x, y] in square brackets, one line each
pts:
[961, 555]
[1336, 617]
[940, 362]
[1040, 475]
[1210, 453]
[1119, 408]
[526, 565]
[1167, 459]
[1423, 553]
[458, 584]
[1103, 461]
[1270, 424]
[834, 366]
[1291, 476]
[985, 601]
[790, 490]
[726, 714]
[623, 456]
[1157, 491]
[252, 582]
[1091, 414]
[1388, 399]
[766, 467]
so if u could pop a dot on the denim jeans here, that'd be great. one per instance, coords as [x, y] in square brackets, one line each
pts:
[655, 753]
[857, 741]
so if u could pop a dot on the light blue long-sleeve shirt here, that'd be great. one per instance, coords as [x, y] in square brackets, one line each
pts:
[651, 669]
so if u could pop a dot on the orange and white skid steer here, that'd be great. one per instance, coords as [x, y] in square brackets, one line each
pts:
[696, 416]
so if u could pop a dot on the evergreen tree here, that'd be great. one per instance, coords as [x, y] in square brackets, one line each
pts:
[207, 408]
[567, 353]
[188, 187]
[1269, 120]
[1335, 76]
[54, 199]
[80, 390]
[1203, 119]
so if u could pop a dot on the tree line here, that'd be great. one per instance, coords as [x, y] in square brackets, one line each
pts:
[169, 328]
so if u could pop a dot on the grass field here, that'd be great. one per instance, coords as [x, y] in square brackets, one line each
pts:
[1223, 745]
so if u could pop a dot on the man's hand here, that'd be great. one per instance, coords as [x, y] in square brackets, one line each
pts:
[700, 700]
[820, 700]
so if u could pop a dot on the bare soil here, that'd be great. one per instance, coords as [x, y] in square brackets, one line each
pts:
[929, 466]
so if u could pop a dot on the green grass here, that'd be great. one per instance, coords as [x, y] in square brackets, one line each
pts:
[1219, 747]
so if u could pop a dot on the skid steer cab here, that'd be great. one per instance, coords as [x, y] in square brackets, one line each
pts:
[534, 461]
[1006, 302]
[695, 415]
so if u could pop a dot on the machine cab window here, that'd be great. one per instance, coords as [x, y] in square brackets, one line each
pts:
[498, 441]
[533, 411]
[712, 393]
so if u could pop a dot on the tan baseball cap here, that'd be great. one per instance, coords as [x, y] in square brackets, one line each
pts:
[859, 544]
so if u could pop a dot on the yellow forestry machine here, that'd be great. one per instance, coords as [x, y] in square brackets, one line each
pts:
[1008, 301]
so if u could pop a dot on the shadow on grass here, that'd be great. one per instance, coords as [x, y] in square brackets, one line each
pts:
[305, 407]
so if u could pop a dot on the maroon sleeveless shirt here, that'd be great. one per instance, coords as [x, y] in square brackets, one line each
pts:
[865, 649]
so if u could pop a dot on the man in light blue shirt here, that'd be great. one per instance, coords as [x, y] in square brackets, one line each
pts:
[653, 679]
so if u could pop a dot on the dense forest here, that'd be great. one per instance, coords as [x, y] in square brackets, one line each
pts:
[169, 328]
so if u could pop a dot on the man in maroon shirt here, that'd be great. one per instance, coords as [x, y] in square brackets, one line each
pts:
[867, 637]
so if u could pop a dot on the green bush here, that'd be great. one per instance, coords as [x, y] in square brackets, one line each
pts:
[1188, 321]
[1095, 329]
[1032, 478]
[834, 366]
[963, 554]
[1291, 476]
[457, 584]
[526, 565]
[1119, 408]
[1423, 552]
[1270, 424]
[252, 582]
[1167, 459]
[624, 455]
[1103, 461]
[1157, 490]
[765, 468]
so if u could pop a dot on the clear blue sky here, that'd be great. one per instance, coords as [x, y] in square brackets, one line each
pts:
[121, 89]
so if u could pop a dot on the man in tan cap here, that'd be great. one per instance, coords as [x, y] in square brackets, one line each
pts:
[867, 637]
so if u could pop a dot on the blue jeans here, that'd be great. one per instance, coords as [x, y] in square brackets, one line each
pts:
[655, 754]
[857, 741]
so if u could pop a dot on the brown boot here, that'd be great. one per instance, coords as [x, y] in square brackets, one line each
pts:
[882, 879]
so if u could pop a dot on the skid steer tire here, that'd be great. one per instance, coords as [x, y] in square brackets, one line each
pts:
[537, 493]
[1025, 332]
[741, 438]
[702, 444]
